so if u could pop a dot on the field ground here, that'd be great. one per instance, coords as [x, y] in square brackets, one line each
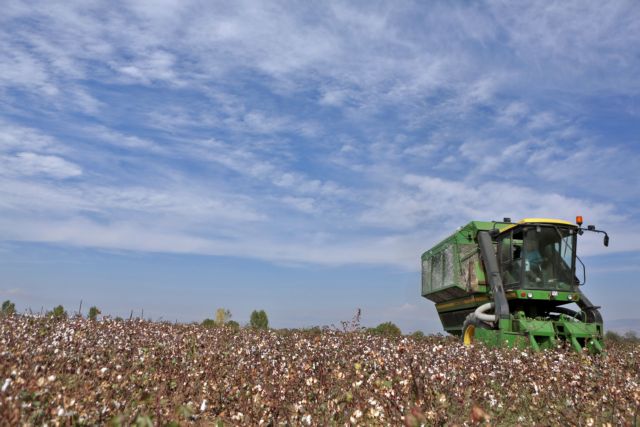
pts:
[76, 371]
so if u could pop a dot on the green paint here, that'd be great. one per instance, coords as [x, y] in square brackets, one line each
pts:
[461, 247]
[523, 332]
[454, 277]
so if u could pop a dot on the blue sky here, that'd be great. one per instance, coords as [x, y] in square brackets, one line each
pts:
[179, 156]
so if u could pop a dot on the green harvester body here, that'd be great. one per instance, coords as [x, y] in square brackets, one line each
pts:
[509, 284]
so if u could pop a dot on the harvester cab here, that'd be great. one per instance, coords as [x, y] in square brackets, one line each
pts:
[509, 284]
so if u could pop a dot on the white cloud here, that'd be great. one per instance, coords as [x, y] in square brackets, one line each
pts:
[248, 119]
[27, 164]
[423, 201]
[153, 66]
[120, 139]
[512, 114]
[303, 204]
[251, 163]
[573, 38]
[543, 120]
[334, 97]
[362, 58]
[13, 137]
[186, 207]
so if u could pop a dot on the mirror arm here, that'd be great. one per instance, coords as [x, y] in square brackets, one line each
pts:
[606, 236]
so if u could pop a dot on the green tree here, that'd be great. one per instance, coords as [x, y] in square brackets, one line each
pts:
[417, 335]
[612, 336]
[222, 316]
[8, 308]
[631, 336]
[259, 320]
[94, 312]
[209, 323]
[58, 313]
[387, 329]
[233, 324]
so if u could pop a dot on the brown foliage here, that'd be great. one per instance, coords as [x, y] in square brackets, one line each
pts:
[74, 371]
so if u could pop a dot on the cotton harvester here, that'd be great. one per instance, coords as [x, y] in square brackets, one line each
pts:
[508, 284]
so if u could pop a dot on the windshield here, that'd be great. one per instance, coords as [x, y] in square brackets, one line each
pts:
[538, 257]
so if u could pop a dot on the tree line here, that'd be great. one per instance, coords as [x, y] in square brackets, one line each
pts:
[223, 317]
[257, 320]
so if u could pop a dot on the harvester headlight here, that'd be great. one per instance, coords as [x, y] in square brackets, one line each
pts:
[569, 297]
[554, 293]
[530, 295]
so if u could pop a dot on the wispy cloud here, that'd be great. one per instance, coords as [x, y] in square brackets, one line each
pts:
[25, 163]
[325, 133]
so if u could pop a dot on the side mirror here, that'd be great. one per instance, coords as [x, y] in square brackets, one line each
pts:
[606, 240]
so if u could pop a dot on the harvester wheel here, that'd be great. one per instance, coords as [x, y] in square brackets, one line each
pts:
[471, 323]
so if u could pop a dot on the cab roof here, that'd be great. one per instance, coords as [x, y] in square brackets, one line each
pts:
[537, 221]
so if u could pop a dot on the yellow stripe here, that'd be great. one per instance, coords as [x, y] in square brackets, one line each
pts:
[509, 295]
[464, 301]
[537, 221]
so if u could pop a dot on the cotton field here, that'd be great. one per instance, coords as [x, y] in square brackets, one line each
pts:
[76, 372]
